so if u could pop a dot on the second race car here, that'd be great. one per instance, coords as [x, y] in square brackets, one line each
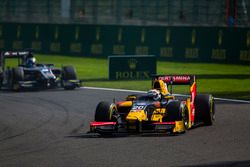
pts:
[30, 75]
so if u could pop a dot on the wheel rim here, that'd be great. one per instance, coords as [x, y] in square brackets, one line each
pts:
[185, 117]
[212, 110]
[112, 111]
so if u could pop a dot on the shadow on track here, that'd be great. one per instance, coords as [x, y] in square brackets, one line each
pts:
[118, 135]
[225, 164]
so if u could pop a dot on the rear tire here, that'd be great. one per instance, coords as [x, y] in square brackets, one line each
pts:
[204, 109]
[17, 75]
[105, 111]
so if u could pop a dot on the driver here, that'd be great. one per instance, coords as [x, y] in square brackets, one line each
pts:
[155, 94]
[30, 62]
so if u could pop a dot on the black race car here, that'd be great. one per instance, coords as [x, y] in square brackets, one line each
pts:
[29, 75]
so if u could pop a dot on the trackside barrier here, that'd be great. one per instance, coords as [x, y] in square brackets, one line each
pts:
[196, 44]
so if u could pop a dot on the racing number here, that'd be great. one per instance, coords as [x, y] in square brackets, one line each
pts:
[136, 107]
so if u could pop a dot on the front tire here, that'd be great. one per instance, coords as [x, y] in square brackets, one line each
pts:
[105, 111]
[177, 111]
[69, 73]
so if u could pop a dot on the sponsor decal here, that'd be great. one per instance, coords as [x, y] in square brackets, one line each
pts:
[165, 78]
[176, 79]
[132, 75]
[15, 53]
[132, 63]
[131, 67]
[182, 79]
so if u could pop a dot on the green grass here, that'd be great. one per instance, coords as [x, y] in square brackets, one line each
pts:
[221, 80]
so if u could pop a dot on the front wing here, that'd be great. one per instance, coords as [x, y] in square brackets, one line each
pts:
[156, 127]
[39, 84]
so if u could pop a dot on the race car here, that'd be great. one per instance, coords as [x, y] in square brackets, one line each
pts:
[30, 75]
[157, 111]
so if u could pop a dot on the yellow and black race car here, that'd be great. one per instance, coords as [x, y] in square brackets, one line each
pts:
[156, 111]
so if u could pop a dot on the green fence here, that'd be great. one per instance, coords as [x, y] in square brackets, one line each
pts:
[208, 44]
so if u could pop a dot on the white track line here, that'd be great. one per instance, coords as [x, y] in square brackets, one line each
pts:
[115, 90]
[232, 100]
[138, 91]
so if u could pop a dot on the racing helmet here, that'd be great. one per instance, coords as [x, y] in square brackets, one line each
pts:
[30, 62]
[155, 94]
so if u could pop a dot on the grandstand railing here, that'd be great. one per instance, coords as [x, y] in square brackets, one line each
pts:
[128, 12]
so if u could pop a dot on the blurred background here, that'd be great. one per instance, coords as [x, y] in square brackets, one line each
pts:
[176, 30]
[202, 37]
[128, 12]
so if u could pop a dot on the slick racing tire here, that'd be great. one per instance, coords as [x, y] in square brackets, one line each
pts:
[105, 111]
[69, 73]
[177, 111]
[17, 75]
[204, 109]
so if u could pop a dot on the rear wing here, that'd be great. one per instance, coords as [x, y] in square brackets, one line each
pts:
[179, 80]
[170, 80]
[15, 54]
[175, 79]
[20, 55]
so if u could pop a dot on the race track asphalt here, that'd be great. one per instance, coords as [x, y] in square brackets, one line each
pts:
[48, 128]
